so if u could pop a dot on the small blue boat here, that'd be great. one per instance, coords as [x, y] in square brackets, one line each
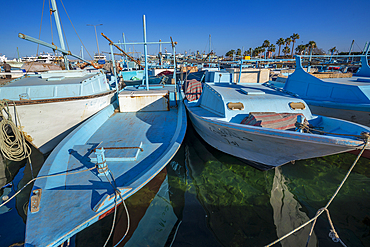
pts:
[344, 98]
[137, 139]
[264, 126]
[105, 160]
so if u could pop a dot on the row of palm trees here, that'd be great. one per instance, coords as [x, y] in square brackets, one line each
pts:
[269, 47]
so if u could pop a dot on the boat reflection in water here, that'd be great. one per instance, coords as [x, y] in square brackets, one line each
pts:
[288, 214]
[248, 207]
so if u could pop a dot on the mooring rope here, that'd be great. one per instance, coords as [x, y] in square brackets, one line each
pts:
[116, 191]
[306, 127]
[13, 147]
[333, 234]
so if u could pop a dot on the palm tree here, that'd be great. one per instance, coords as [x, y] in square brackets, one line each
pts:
[271, 48]
[294, 37]
[300, 49]
[288, 41]
[311, 44]
[238, 52]
[265, 45]
[280, 42]
[286, 50]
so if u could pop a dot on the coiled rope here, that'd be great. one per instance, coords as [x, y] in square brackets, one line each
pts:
[13, 145]
[333, 234]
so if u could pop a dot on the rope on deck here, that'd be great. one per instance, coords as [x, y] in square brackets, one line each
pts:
[13, 145]
[333, 234]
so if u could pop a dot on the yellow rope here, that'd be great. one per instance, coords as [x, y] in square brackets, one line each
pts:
[333, 233]
[13, 147]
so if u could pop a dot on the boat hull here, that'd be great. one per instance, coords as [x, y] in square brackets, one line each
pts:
[267, 148]
[46, 122]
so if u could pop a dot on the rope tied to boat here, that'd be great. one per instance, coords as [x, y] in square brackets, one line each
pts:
[333, 234]
[13, 144]
[306, 127]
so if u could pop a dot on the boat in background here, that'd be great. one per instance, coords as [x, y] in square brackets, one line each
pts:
[267, 127]
[345, 98]
[364, 70]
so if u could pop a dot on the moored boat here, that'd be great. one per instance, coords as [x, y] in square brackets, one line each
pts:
[105, 160]
[258, 124]
[345, 98]
[49, 105]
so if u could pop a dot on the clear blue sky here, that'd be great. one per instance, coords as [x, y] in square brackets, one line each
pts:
[231, 24]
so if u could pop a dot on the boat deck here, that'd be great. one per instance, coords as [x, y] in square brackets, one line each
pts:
[251, 97]
[54, 85]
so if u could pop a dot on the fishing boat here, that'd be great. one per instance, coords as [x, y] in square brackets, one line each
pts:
[265, 127]
[345, 98]
[50, 104]
[105, 160]
[139, 138]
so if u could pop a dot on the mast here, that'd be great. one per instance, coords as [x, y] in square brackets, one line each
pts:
[60, 33]
[145, 54]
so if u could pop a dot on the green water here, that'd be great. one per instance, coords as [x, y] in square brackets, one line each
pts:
[207, 198]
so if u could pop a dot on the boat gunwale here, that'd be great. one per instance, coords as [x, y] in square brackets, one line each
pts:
[45, 101]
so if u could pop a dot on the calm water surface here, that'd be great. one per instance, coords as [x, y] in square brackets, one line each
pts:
[207, 198]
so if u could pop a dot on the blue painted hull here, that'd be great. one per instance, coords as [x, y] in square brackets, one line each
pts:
[70, 203]
[329, 96]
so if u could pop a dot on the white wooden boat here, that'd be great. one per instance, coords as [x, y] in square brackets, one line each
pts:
[49, 105]
[218, 114]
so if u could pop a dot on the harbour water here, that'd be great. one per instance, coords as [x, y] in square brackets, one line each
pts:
[207, 198]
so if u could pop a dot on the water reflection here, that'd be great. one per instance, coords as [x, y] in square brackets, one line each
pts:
[288, 214]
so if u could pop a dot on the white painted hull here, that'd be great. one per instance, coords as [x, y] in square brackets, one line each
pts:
[48, 123]
[361, 117]
[267, 147]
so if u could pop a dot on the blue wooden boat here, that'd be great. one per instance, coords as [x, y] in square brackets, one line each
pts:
[218, 114]
[139, 138]
[105, 160]
[344, 98]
